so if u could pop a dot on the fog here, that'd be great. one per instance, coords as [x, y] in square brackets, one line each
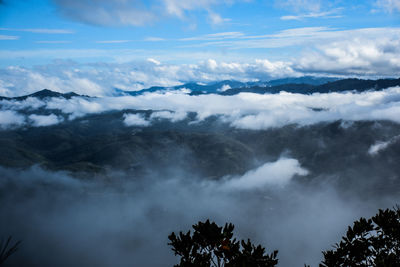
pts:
[119, 219]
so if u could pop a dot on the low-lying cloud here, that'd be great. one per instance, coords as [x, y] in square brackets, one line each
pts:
[9, 118]
[382, 145]
[44, 120]
[135, 120]
[244, 111]
[125, 220]
[274, 174]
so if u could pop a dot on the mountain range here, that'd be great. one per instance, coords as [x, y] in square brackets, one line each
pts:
[303, 85]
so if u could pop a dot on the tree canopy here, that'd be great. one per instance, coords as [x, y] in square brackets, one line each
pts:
[369, 242]
[372, 242]
[7, 249]
[211, 245]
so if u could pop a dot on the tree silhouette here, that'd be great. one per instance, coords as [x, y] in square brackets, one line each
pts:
[372, 242]
[211, 245]
[6, 249]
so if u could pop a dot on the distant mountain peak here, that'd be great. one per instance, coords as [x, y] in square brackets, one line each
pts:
[45, 93]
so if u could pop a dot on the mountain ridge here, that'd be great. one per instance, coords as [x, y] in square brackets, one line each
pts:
[235, 87]
[43, 94]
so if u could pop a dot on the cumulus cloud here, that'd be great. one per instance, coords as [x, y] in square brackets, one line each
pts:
[44, 120]
[359, 56]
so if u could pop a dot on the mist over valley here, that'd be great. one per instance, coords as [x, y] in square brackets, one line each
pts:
[103, 181]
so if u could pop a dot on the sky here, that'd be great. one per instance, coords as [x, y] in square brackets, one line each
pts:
[167, 42]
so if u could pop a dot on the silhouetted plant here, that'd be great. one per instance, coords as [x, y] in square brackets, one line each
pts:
[6, 249]
[372, 242]
[211, 245]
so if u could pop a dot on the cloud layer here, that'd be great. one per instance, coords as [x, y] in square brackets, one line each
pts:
[245, 110]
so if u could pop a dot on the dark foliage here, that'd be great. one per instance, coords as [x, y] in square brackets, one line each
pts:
[372, 242]
[6, 249]
[211, 245]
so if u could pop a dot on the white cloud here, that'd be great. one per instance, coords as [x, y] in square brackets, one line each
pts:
[309, 37]
[245, 110]
[9, 118]
[155, 61]
[216, 19]
[271, 174]
[224, 88]
[359, 56]
[326, 15]
[44, 120]
[362, 52]
[382, 145]
[102, 79]
[173, 116]
[178, 7]
[370, 52]
[389, 5]
[135, 120]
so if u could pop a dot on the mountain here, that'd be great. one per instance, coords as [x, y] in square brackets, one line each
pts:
[302, 80]
[300, 85]
[222, 86]
[358, 85]
[43, 94]
[195, 88]
[211, 148]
